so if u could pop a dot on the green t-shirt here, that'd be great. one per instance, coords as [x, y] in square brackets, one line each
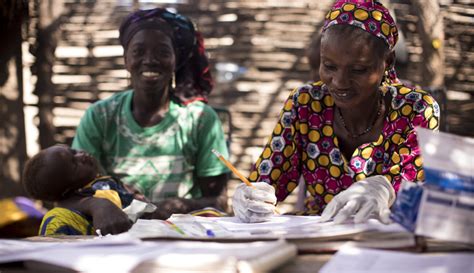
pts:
[161, 161]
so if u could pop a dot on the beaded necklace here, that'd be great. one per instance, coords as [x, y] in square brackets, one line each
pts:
[371, 125]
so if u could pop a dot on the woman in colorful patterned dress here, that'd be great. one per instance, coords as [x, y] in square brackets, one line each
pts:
[351, 136]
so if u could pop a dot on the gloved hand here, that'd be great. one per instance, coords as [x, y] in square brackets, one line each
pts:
[254, 204]
[372, 196]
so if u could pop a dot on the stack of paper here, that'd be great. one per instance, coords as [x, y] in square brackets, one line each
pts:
[123, 253]
[359, 260]
[283, 226]
[307, 232]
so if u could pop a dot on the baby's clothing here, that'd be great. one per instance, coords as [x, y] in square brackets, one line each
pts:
[63, 221]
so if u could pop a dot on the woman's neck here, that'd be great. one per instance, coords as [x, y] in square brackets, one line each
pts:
[359, 118]
[149, 108]
[350, 135]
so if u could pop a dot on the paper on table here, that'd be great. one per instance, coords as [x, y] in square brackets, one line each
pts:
[280, 226]
[17, 250]
[286, 226]
[225, 257]
[153, 228]
[359, 260]
[168, 255]
[8, 247]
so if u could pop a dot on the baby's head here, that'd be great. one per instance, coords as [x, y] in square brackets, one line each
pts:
[56, 171]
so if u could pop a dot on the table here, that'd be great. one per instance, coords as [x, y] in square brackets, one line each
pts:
[302, 263]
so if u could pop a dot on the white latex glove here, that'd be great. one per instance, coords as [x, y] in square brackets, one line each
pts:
[370, 197]
[137, 208]
[254, 204]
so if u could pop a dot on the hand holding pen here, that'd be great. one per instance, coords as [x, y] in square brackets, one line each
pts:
[251, 202]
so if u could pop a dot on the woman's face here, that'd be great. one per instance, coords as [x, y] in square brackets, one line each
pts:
[351, 69]
[150, 59]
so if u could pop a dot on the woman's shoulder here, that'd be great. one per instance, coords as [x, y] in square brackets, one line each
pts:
[414, 103]
[403, 95]
[193, 107]
[196, 110]
[310, 91]
[111, 103]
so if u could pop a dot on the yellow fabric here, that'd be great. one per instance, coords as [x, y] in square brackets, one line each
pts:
[208, 212]
[10, 213]
[110, 195]
[61, 221]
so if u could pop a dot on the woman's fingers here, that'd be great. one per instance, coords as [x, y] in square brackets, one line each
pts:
[331, 209]
[365, 211]
[384, 216]
[260, 207]
[254, 204]
[255, 217]
[262, 196]
[351, 207]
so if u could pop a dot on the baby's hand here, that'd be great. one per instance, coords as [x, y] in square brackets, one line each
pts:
[107, 217]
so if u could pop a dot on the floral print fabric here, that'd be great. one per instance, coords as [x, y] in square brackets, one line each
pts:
[303, 143]
[371, 16]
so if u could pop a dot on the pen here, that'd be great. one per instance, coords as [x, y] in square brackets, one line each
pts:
[236, 172]
[175, 227]
[210, 233]
[232, 168]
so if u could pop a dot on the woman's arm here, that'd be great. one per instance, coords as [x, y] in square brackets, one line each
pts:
[214, 194]
[406, 160]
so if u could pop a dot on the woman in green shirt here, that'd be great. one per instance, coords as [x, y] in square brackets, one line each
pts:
[157, 138]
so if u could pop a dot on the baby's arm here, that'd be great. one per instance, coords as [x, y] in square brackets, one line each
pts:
[106, 216]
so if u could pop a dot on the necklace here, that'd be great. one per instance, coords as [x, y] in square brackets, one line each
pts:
[371, 125]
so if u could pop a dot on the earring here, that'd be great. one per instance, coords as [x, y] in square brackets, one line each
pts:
[173, 81]
[129, 79]
[386, 77]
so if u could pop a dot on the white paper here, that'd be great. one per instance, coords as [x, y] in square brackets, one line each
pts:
[359, 260]
[94, 257]
[446, 209]
[281, 226]
[447, 152]
[446, 216]
[17, 250]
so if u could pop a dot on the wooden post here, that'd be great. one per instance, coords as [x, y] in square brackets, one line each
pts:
[46, 42]
[431, 31]
[12, 126]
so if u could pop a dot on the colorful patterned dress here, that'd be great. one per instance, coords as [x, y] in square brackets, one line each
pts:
[303, 143]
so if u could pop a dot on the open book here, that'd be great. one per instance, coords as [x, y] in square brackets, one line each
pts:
[122, 253]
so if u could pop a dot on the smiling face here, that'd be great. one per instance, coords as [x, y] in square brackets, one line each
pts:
[150, 59]
[352, 65]
[69, 168]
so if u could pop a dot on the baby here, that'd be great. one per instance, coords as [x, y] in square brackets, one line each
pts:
[58, 173]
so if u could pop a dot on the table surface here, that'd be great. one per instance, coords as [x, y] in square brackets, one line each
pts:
[302, 263]
[305, 264]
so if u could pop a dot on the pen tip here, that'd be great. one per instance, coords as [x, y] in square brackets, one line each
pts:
[215, 152]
